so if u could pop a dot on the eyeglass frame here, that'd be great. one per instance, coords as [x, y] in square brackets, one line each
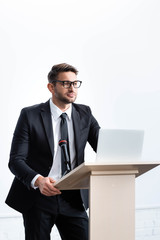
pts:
[71, 83]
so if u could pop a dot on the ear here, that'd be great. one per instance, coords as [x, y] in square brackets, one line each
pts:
[50, 87]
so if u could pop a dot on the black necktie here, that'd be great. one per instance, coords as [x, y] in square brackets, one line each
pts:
[65, 162]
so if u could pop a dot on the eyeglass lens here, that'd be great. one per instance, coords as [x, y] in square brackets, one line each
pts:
[76, 84]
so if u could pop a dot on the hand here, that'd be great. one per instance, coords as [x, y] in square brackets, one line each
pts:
[46, 186]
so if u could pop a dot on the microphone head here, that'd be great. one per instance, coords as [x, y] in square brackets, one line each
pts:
[62, 142]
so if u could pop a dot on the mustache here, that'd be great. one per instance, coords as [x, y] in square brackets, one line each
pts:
[71, 91]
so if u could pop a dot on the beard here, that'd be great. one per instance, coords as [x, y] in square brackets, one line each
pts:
[63, 98]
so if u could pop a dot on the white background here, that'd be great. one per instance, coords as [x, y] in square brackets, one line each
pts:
[116, 47]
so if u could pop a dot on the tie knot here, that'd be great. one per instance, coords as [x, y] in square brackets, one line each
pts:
[63, 116]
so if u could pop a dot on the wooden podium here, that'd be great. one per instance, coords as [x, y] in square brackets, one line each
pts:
[112, 196]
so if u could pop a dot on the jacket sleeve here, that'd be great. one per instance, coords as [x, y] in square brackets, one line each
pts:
[20, 151]
[93, 132]
[93, 129]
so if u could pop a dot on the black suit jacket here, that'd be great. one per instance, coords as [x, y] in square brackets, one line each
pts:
[32, 149]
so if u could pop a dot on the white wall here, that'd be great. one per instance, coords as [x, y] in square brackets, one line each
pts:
[115, 46]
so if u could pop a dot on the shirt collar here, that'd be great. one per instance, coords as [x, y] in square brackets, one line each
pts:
[56, 112]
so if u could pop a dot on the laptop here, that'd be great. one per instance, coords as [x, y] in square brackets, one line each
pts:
[119, 145]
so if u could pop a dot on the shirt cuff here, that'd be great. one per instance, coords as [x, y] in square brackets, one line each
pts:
[34, 180]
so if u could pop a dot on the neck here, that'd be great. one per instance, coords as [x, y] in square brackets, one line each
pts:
[62, 106]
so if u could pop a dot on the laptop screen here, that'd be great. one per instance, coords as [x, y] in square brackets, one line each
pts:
[119, 145]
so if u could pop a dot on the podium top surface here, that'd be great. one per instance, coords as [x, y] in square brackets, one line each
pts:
[78, 178]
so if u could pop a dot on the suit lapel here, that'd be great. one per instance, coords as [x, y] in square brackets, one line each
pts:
[76, 125]
[47, 121]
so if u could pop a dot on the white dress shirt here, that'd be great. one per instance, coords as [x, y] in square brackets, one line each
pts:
[55, 171]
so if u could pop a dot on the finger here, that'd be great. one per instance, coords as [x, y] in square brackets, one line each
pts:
[50, 193]
[52, 190]
[52, 180]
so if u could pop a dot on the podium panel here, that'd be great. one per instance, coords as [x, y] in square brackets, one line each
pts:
[112, 202]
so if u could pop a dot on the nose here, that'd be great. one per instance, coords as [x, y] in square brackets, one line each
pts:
[71, 85]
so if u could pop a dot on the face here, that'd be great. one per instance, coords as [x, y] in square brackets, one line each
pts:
[63, 96]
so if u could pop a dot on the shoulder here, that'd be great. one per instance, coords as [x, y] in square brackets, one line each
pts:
[81, 108]
[33, 112]
[36, 108]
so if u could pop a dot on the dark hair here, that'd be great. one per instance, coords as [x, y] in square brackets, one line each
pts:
[58, 68]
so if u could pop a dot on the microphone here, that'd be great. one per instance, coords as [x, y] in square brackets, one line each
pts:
[63, 145]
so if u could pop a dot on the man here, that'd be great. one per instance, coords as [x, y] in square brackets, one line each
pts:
[36, 160]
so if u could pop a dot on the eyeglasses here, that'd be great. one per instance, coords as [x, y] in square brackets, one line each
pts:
[68, 84]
